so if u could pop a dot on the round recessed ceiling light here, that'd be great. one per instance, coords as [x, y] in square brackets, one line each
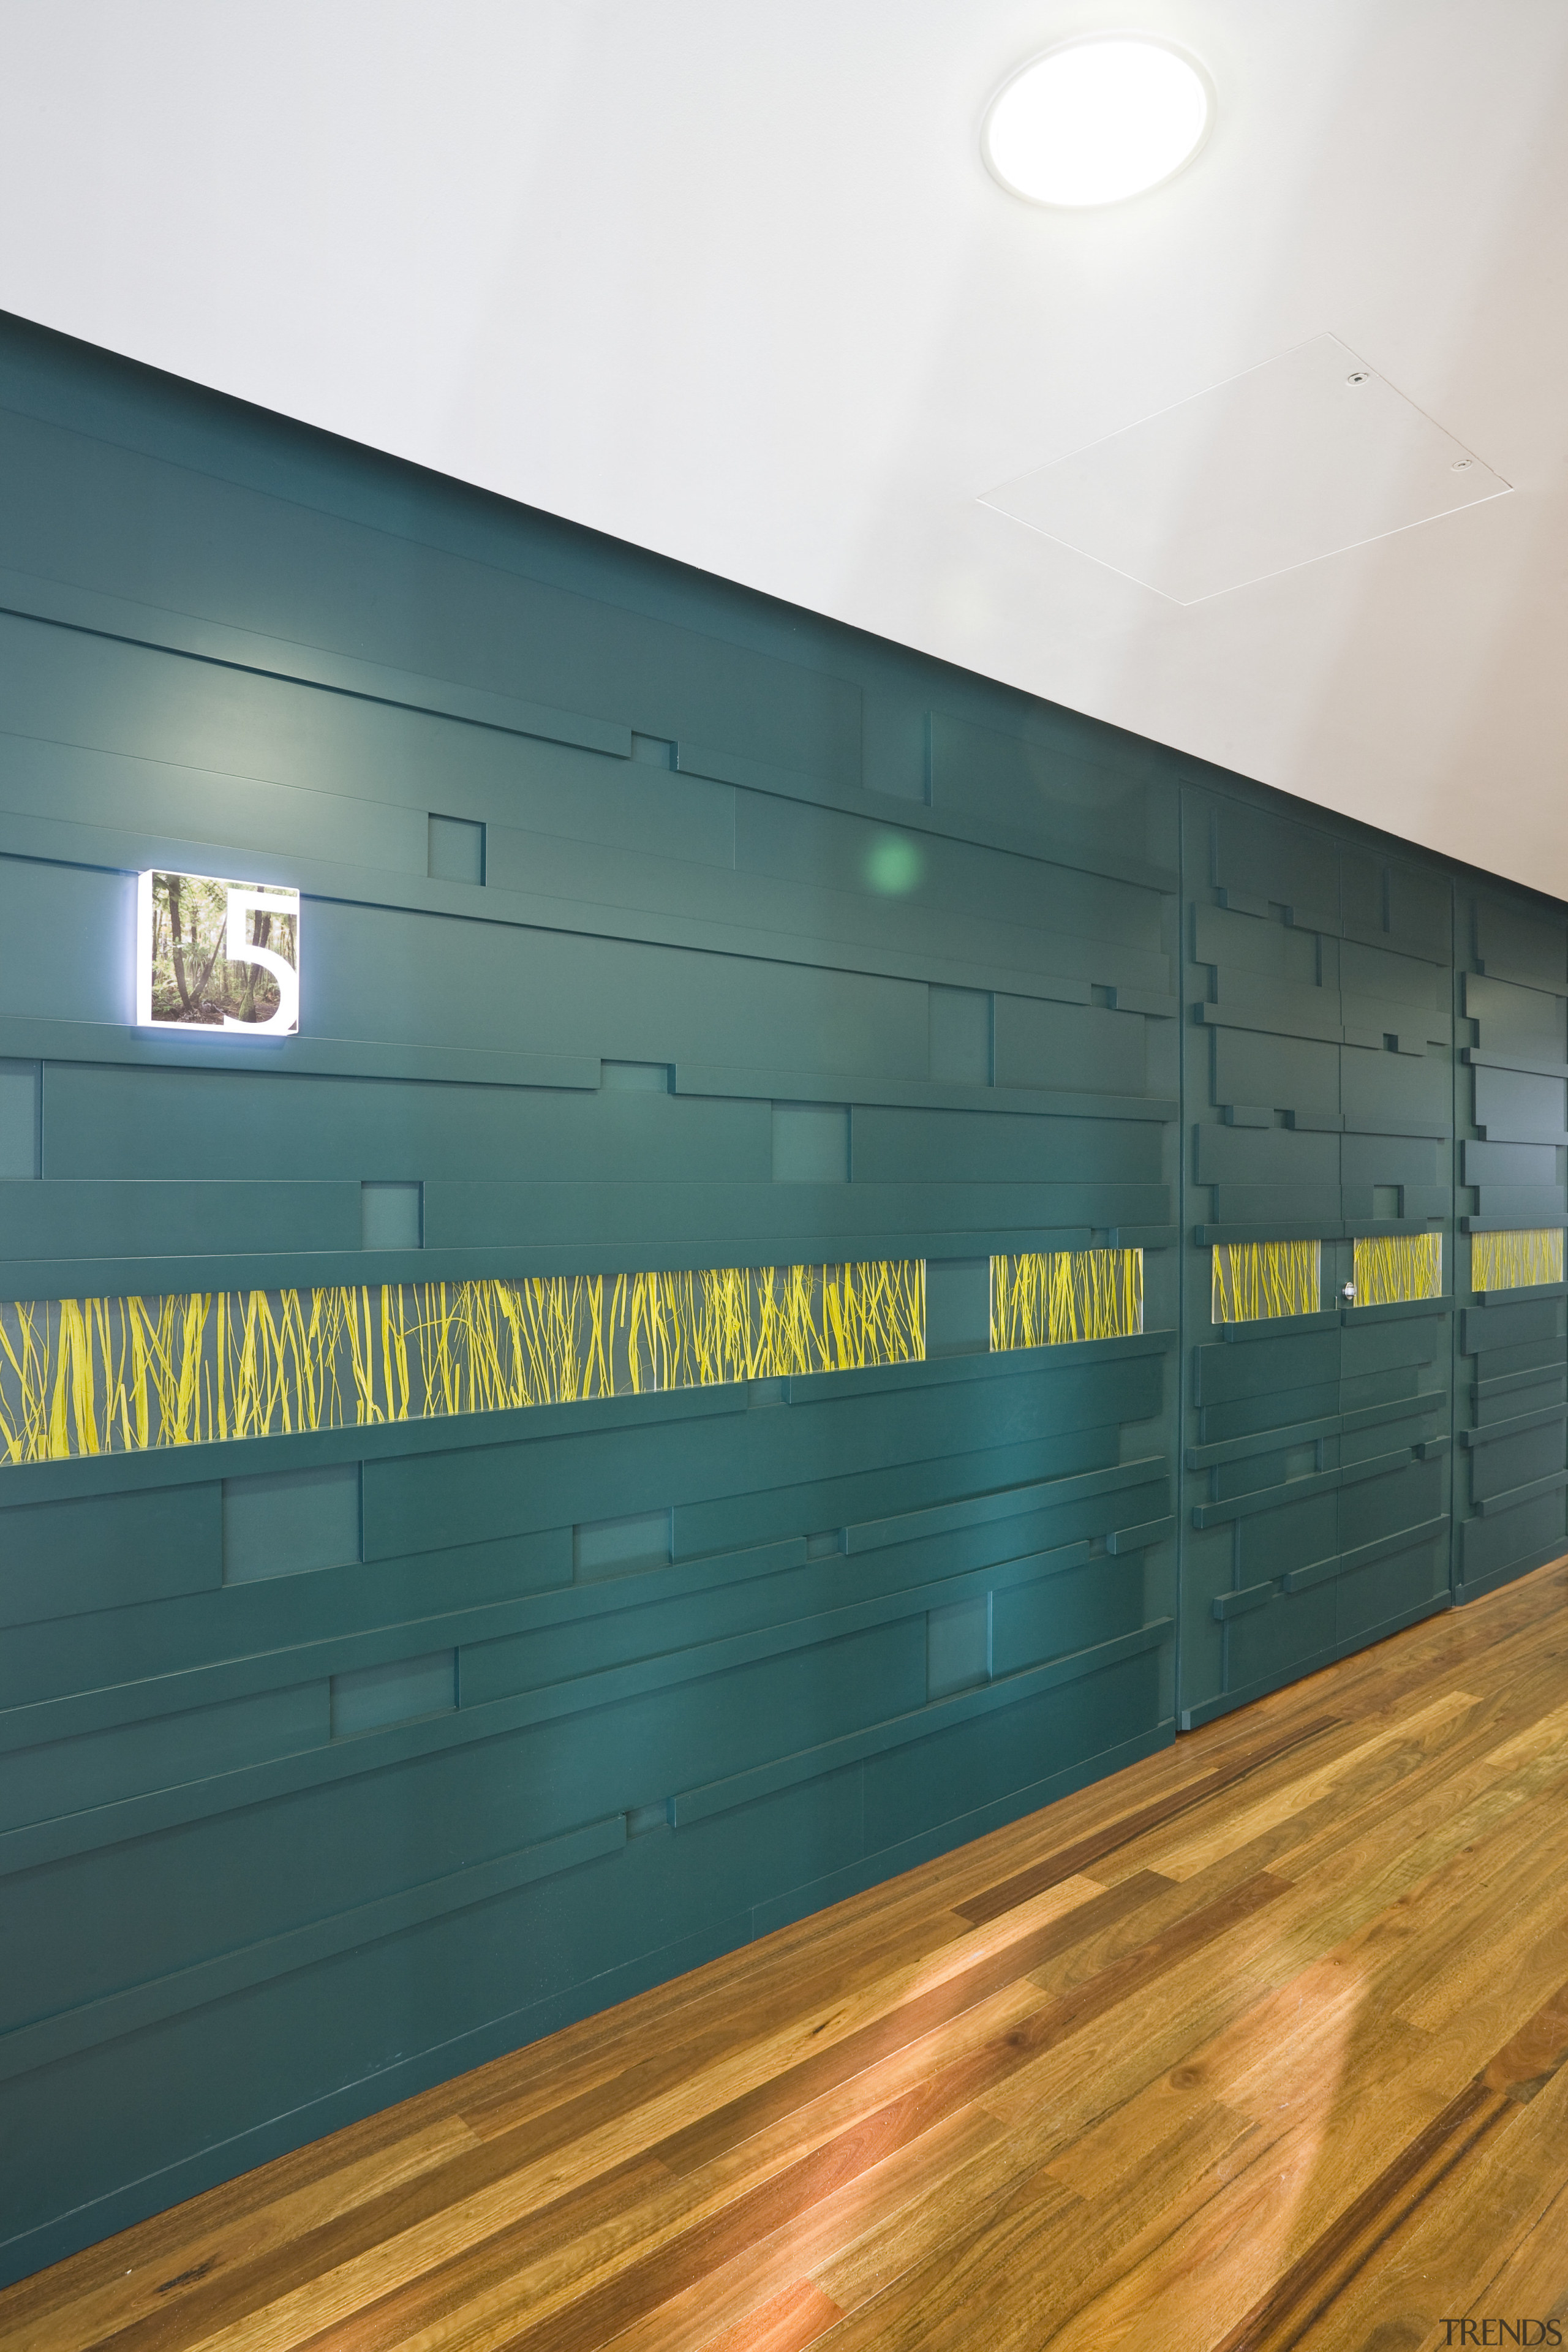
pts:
[1097, 120]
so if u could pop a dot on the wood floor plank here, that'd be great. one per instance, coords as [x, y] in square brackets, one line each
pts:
[595, 2317]
[1024, 2268]
[1095, 1846]
[961, 2243]
[716, 2080]
[911, 2021]
[1529, 2281]
[662, 2273]
[1231, 2244]
[149, 2290]
[1443, 2169]
[890, 2198]
[787, 2323]
[1442, 2263]
[552, 2256]
[536, 2189]
[1357, 1773]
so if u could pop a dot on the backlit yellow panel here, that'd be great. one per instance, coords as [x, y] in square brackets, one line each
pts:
[1254, 1281]
[125, 1375]
[1389, 1267]
[1046, 1298]
[1518, 1260]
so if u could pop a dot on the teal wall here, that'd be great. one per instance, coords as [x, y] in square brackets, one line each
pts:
[551, 1705]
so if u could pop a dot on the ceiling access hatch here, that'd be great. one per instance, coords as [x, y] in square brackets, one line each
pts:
[1309, 454]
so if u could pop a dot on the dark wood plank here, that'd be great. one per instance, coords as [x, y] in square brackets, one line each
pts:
[1072, 1861]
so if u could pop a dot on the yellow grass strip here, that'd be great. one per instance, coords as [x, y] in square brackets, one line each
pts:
[127, 1375]
[1519, 1260]
[1256, 1281]
[1388, 1267]
[1045, 1298]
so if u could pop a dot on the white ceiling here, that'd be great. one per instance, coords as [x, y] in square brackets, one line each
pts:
[731, 281]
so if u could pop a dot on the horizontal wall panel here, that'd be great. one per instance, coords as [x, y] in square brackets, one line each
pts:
[1048, 1618]
[472, 1496]
[26, 2048]
[152, 1219]
[1511, 940]
[461, 1216]
[335, 1845]
[71, 1560]
[493, 986]
[960, 1770]
[289, 569]
[1087, 1048]
[1507, 1543]
[1517, 1204]
[1039, 787]
[354, 762]
[30, 596]
[1260, 858]
[1522, 1020]
[1375, 1087]
[174, 1124]
[893, 1146]
[1511, 1107]
[80, 785]
[105, 1766]
[1082, 926]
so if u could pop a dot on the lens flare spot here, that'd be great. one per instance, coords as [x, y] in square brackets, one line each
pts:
[894, 866]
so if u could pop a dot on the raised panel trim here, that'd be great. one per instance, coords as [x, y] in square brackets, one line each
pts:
[1492, 1507]
[86, 610]
[920, 1094]
[47, 2040]
[1491, 1431]
[1299, 1490]
[1324, 1571]
[1301, 1433]
[898, 1731]
[127, 1818]
[1011, 1501]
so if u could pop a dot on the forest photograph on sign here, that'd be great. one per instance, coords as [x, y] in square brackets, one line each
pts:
[216, 955]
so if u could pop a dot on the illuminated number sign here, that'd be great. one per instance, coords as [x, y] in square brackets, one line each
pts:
[216, 955]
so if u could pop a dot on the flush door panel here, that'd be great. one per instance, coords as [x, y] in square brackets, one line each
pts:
[1319, 1082]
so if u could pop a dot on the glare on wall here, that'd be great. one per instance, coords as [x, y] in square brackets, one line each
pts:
[213, 954]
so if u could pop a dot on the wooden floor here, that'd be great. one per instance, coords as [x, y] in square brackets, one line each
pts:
[1261, 2043]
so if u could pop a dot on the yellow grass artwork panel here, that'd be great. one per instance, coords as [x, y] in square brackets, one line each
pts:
[128, 1375]
[1390, 1267]
[1044, 1298]
[1519, 1260]
[1256, 1281]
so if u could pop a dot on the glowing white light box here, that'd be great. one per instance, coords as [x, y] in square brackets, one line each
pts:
[213, 954]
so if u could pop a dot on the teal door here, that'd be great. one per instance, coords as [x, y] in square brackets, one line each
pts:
[1319, 1084]
[1512, 1470]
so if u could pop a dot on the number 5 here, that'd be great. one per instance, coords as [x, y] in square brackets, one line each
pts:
[239, 950]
